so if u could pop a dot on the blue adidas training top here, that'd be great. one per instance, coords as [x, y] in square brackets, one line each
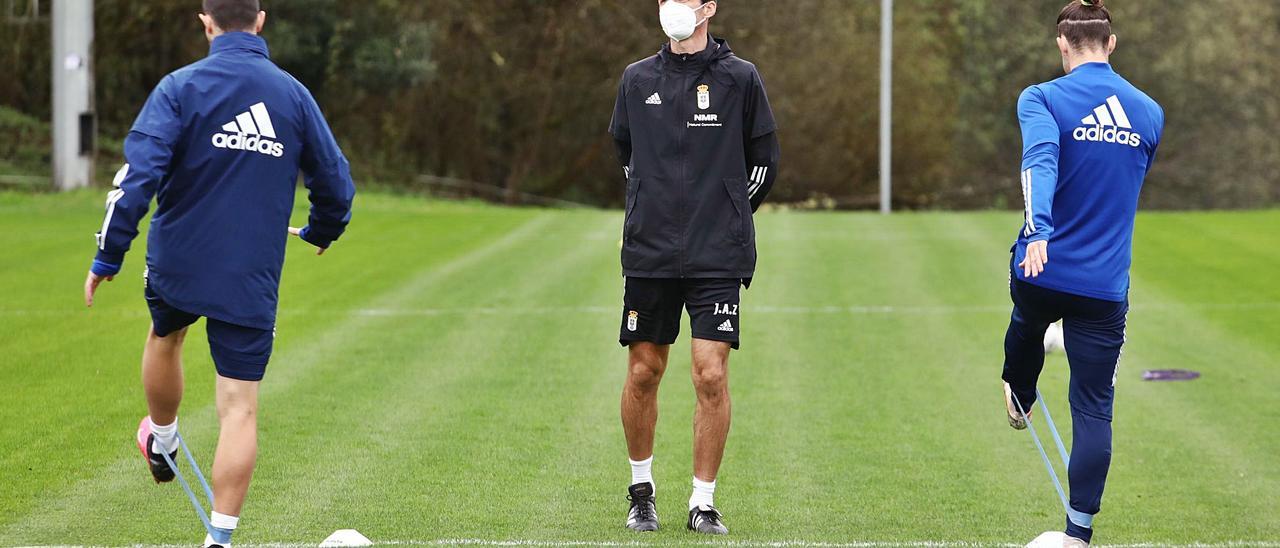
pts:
[219, 144]
[1088, 140]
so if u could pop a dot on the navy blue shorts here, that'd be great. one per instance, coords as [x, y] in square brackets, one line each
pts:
[651, 309]
[239, 352]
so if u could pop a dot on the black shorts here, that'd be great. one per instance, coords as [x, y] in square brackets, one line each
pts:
[651, 309]
[239, 352]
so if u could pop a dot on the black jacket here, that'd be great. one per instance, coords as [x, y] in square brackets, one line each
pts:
[696, 139]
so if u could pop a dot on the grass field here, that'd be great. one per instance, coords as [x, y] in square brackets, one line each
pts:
[451, 371]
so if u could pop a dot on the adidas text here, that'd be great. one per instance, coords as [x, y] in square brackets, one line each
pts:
[248, 143]
[1100, 134]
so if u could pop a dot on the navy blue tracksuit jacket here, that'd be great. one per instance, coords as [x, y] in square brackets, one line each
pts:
[219, 144]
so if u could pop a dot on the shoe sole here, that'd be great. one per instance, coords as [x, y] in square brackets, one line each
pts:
[1011, 410]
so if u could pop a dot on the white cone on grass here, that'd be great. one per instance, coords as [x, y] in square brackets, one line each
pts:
[1051, 539]
[346, 537]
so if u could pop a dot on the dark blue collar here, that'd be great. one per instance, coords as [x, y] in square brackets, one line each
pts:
[245, 41]
[1093, 67]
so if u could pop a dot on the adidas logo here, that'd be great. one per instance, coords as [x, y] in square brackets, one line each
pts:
[1108, 124]
[654, 99]
[250, 131]
[726, 326]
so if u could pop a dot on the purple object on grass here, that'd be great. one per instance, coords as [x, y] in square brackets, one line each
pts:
[1169, 375]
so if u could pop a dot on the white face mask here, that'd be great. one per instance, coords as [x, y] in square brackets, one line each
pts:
[678, 20]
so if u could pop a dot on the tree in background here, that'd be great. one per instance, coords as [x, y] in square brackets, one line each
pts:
[517, 93]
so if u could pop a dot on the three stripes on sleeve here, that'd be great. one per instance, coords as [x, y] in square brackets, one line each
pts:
[758, 175]
[1030, 227]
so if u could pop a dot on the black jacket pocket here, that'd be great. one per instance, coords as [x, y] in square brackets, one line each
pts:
[741, 229]
[630, 219]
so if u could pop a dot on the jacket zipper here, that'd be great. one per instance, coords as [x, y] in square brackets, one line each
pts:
[684, 168]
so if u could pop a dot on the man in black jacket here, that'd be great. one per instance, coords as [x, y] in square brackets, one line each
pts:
[696, 139]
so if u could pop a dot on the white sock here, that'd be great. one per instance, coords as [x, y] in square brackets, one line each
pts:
[223, 521]
[703, 493]
[166, 437]
[642, 471]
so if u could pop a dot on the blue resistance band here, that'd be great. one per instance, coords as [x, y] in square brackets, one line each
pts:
[1053, 475]
[1062, 448]
[195, 503]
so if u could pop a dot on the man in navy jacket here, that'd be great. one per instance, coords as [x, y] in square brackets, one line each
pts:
[219, 144]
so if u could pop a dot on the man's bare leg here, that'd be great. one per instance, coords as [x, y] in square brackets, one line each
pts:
[647, 363]
[162, 375]
[162, 384]
[237, 443]
[711, 419]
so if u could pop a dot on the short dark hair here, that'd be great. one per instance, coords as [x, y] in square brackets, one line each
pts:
[1086, 24]
[232, 15]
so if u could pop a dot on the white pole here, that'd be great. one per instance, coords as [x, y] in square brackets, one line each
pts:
[73, 117]
[886, 106]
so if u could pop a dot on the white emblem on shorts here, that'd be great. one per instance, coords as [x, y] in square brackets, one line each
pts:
[726, 326]
[633, 318]
[726, 309]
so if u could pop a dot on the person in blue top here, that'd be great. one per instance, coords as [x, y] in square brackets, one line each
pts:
[1089, 139]
[219, 145]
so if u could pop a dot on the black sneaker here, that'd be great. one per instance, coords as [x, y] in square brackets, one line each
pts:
[643, 515]
[705, 519]
[160, 470]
